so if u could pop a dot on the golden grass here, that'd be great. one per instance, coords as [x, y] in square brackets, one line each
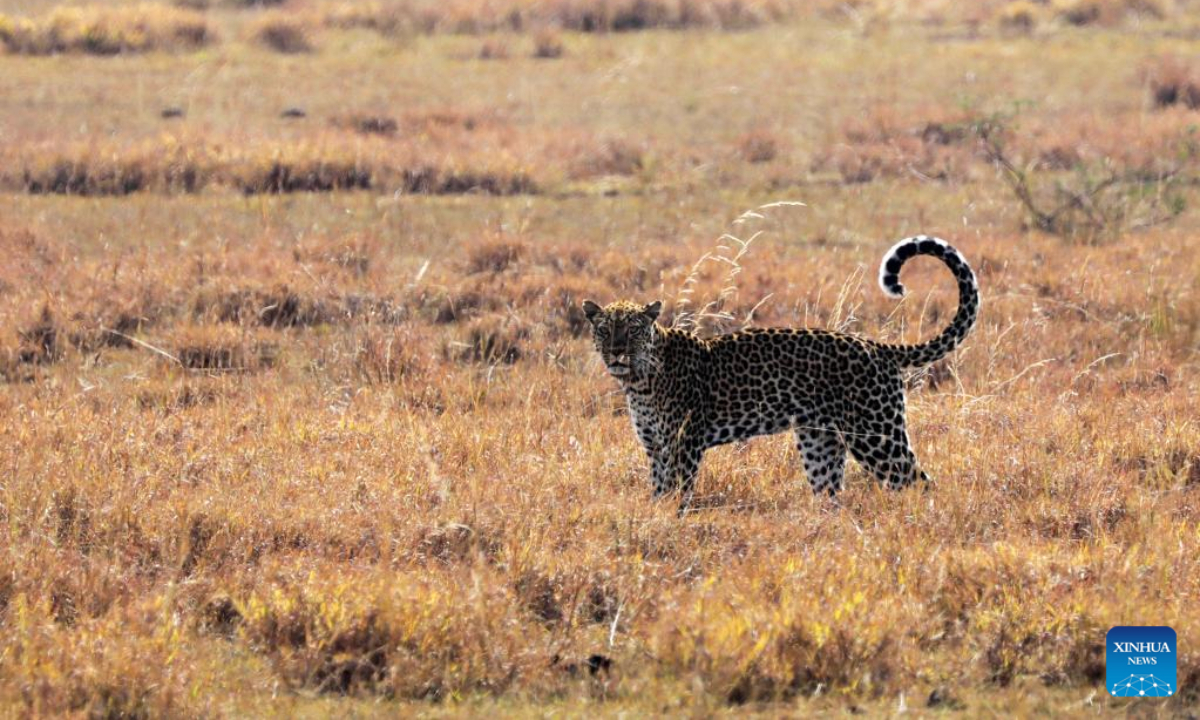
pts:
[283, 32]
[106, 31]
[273, 453]
[322, 162]
[102, 29]
[466, 555]
[470, 16]
[1173, 81]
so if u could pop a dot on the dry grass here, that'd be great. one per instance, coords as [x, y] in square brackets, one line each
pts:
[1173, 82]
[470, 16]
[284, 32]
[341, 561]
[548, 45]
[269, 452]
[106, 31]
[322, 162]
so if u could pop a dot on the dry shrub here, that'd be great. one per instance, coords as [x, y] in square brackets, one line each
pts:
[536, 594]
[490, 341]
[384, 355]
[560, 301]
[466, 16]
[1108, 12]
[1162, 144]
[608, 156]
[1021, 16]
[548, 44]
[494, 49]
[104, 169]
[418, 636]
[495, 255]
[352, 254]
[284, 32]
[303, 174]
[454, 543]
[106, 31]
[429, 180]
[68, 178]
[394, 20]
[236, 4]
[40, 343]
[174, 397]
[1133, 186]
[220, 348]
[884, 144]
[1173, 82]
[440, 159]
[758, 146]
[279, 306]
[78, 670]
[783, 637]
[369, 124]
[441, 120]
[448, 306]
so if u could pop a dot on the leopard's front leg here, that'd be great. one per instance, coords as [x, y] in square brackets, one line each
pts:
[679, 464]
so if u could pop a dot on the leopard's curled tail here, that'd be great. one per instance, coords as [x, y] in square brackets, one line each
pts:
[915, 356]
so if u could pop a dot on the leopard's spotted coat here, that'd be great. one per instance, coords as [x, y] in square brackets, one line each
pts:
[837, 392]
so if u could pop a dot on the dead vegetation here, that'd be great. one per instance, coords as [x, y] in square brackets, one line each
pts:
[273, 452]
[1173, 82]
[172, 164]
[1103, 198]
[106, 31]
[284, 32]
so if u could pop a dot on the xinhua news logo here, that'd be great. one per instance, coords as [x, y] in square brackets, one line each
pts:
[1140, 661]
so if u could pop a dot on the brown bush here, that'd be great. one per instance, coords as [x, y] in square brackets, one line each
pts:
[490, 341]
[104, 169]
[883, 144]
[393, 18]
[494, 49]
[42, 342]
[382, 356]
[415, 639]
[1020, 16]
[609, 156]
[354, 254]
[1109, 12]
[548, 44]
[369, 124]
[106, 31]
[495, 255]
[758, 146]
[1173, 81]
[304, 175]
[284, 33]
[216, 348]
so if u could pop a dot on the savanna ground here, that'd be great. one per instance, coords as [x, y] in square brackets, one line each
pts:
[299, 415]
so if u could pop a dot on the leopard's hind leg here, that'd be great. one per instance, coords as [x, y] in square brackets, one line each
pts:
[824, 455]
[888, 456]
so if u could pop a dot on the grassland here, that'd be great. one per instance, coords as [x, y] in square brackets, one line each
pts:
[299, 416]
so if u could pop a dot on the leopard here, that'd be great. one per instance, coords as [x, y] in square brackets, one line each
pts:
[837, 392]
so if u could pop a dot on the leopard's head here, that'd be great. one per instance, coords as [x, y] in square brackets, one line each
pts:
[625, 334]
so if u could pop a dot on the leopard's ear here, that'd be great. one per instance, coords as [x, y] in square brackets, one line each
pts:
[653, 309]
[591, 310]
